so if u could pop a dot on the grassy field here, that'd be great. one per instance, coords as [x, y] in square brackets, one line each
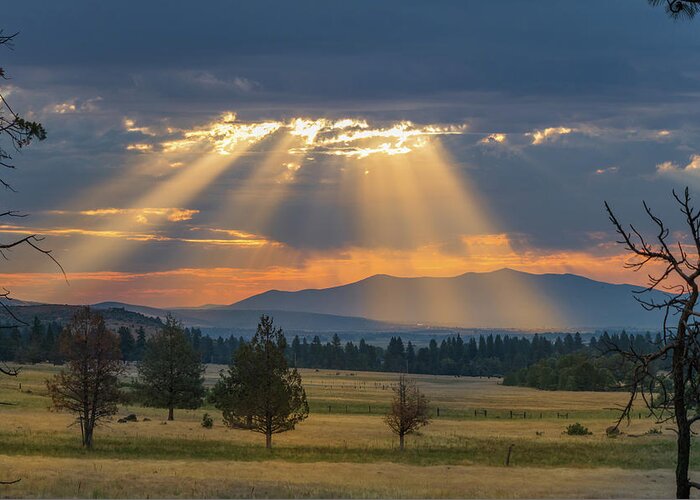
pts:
[343, 449]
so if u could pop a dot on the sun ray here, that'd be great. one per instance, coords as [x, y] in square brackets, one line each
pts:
[177, 190]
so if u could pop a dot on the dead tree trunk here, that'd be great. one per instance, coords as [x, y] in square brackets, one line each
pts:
[679, 278]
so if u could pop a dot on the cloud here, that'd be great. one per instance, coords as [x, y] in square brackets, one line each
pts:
[171, 214]
[140, 147]
[130, 126]
[606, 170]
[670, 168]
[347, 137]
[237, 238]
[223, 135]
[495, 138]
[244, 84]
[548, 134]
[74, 106]
[210, 81]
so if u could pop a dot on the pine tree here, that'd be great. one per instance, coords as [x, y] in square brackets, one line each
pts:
[259, 391]
[171, 373]
[140, 343]
[35, 349]
[126, 343]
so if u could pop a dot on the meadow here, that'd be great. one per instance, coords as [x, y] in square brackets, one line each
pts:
[343, 449]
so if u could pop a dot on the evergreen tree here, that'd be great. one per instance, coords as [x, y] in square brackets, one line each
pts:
[259, 391]
[395, 357]
[140, 343]
[126, 343]
[35, 349]
[171, 373]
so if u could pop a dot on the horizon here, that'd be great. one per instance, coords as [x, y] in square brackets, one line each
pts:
[198, 306]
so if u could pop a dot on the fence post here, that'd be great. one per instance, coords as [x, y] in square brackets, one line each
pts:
[510, 450]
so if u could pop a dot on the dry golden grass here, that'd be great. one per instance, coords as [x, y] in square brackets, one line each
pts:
[322, 475]
[452, 392]
[43, 477]
[340, 429]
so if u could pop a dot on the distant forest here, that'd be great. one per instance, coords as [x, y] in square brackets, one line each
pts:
[565, 363]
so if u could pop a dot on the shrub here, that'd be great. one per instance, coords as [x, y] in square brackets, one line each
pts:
[612, 431]
[577, 430]
[207, 421]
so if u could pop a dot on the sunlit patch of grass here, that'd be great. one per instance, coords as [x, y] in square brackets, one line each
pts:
[641, 453]
[88, 477]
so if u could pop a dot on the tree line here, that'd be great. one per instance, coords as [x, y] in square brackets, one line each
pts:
[39, 342]
[564, 363]
[594, 367]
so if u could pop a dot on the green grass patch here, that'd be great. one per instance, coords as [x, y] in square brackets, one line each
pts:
[640, 453]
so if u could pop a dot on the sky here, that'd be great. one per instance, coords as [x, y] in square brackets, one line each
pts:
[200, 153]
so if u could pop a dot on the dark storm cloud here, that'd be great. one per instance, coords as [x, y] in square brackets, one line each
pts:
[621, 69]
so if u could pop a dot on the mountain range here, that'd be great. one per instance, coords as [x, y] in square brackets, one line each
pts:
[504, 299]
[499, 299]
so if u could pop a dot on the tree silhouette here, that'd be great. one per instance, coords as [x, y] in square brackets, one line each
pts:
[675, 395]
[171, 371]
[678, 9]
[259, 391]
[89, 385]
[16, 133]
[409, 409]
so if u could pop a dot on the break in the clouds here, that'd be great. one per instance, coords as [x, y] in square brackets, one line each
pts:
[227, 148]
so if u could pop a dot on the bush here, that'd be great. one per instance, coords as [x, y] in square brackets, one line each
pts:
[612, 431]
[207, 421]
[577, 430]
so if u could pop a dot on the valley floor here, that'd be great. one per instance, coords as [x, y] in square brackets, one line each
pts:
[344, 449]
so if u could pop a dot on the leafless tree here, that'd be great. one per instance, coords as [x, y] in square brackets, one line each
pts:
[671, 395]
[88, 387]
[679, 9]
[409, 409]
[15, 133]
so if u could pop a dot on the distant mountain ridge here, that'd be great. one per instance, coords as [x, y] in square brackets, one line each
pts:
[498, 299]
[504, 299]
[225, 318]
